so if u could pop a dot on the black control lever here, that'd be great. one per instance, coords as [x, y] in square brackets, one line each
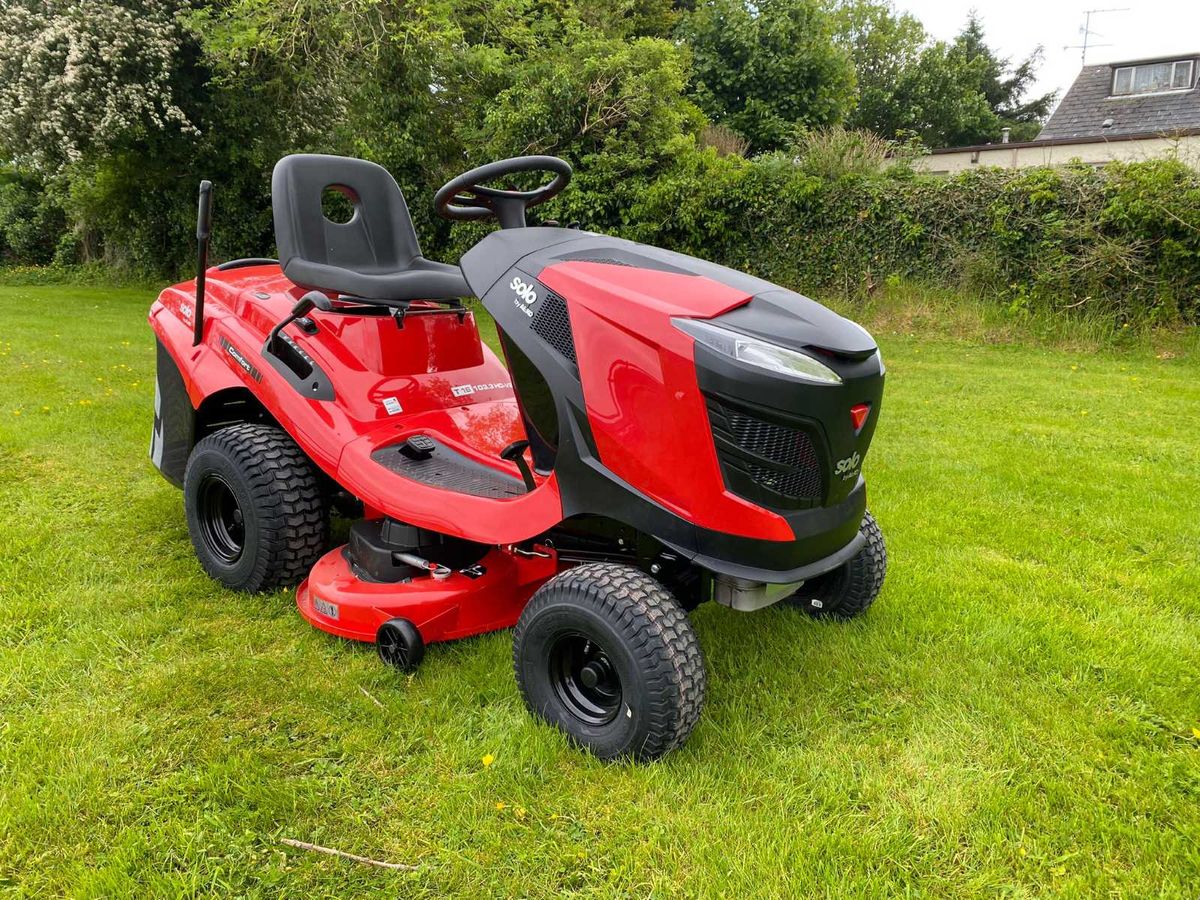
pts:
[303, 307]
[203, 231]
[515, 452]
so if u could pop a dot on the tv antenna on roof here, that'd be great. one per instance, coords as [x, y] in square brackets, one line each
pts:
[1086, 30]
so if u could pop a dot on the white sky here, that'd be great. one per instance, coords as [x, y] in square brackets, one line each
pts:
[1016, 27]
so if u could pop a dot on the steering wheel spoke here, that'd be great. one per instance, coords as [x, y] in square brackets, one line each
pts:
[468, 197]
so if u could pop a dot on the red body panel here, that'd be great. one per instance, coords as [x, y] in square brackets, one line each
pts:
[369, 359]
[639, 384]
[458, 606]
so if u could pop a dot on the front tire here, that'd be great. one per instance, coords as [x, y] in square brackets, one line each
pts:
[604, 653]
[850, 589]
[254, 507]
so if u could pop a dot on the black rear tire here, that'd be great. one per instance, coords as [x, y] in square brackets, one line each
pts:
[605, 653]
[850, 589]
[254, 507]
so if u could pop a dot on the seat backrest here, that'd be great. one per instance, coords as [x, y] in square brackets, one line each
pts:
[378, 238]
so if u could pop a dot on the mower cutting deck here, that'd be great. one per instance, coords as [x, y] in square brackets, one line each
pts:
[663, 431]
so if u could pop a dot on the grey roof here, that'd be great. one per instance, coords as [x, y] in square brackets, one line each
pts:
[1087, 104]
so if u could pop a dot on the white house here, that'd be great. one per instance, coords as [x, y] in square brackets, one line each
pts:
[1141, 109]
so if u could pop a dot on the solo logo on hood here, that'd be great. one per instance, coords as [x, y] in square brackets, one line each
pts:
[847, 467]
[526, 295]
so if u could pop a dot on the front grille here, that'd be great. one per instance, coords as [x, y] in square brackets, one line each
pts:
[778, 443]
[553, 325]
[779, 458]
[803, 484]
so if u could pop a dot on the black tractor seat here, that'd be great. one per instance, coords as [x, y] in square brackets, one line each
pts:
[373, 257]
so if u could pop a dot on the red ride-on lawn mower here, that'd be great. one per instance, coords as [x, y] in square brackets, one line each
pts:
[663, 431]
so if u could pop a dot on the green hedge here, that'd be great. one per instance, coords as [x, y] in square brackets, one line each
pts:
[1122, 242]
[33, 226]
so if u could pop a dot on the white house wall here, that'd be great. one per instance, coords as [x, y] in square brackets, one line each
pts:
[1187, 149]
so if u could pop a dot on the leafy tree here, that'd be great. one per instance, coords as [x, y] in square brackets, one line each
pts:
[613, 108]
[886, 47]
[296, 64]
[946, 94]
[1004, 85]
[595, 95]
[765, 68]
[114, 109]
[30, 221]
[938, 103]
[81, 77]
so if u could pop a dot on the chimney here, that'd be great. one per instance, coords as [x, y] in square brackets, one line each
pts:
[1004, 133]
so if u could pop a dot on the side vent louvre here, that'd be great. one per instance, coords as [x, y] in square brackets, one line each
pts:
[553, 325]
[606, 260]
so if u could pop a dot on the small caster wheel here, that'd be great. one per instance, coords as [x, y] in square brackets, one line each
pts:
[400, 645]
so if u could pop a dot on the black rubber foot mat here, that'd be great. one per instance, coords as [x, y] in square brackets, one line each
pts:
[449, 469]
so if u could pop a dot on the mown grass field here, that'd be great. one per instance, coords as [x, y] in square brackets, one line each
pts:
[1018, 715]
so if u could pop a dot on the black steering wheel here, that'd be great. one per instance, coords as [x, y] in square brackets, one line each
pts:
[467, 198]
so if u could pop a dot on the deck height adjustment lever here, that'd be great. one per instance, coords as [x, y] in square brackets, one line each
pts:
[437, 570]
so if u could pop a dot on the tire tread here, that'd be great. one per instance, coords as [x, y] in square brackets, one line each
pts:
[287, 494]
[652, 623]
[849, 590]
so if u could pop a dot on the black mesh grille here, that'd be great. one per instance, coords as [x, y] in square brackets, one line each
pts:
[552, 324]
[778, 443]
[778, 457]
[799, 483]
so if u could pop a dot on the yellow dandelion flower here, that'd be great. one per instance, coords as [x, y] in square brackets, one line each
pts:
[500, 804]
[487, 759]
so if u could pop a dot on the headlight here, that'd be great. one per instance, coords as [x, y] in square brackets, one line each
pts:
[758, 353]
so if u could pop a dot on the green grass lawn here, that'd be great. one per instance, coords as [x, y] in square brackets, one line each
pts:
[1017, 715]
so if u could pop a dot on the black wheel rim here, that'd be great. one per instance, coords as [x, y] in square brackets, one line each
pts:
[222, 523]
[392, 648]
[584, 679]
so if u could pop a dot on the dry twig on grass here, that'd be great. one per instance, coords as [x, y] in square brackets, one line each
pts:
[371, 697]
[400, 867]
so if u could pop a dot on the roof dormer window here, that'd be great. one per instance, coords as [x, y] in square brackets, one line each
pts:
[1150, 78]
